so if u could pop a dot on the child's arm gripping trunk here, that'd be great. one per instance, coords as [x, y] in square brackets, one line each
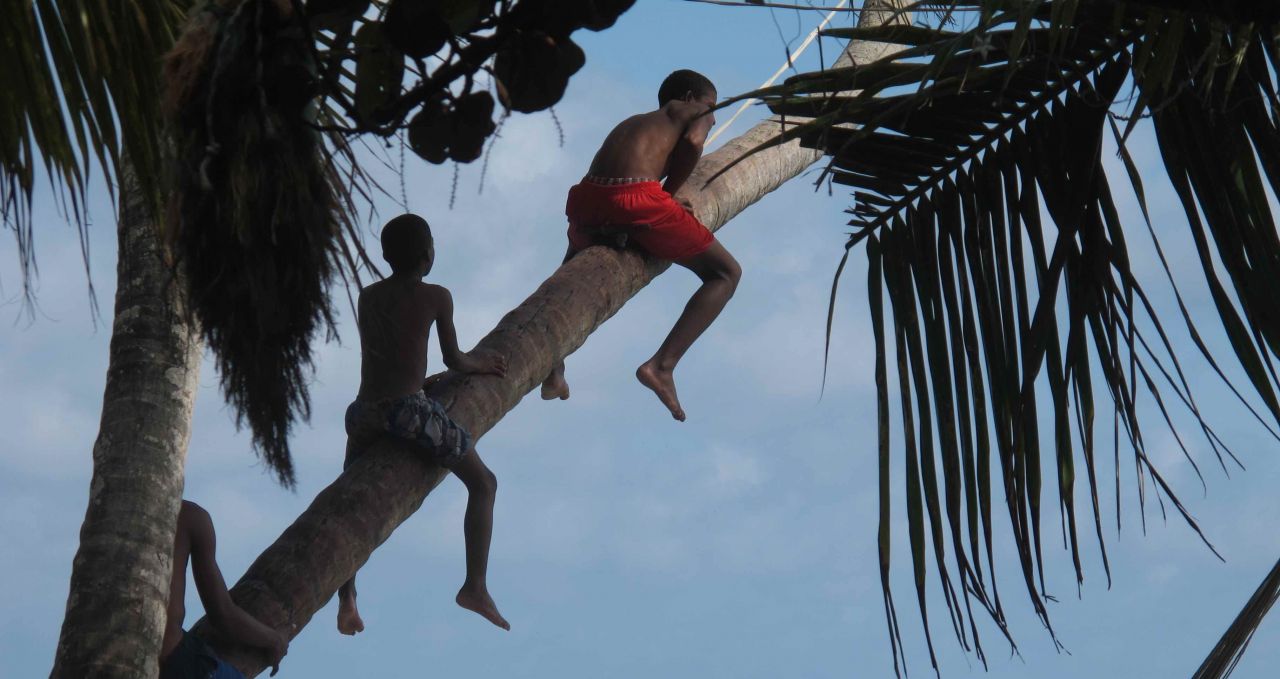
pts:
[455, 359]
[229, 618]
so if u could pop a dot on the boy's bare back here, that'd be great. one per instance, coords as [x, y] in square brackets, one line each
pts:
[642, 146]
[395, 319]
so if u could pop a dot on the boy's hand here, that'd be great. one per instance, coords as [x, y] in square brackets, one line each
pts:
[279, 649]
[489, 363]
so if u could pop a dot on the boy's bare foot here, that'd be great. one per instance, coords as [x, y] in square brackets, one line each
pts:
[478, 600]
[554, 387]
[349, 622]
[663, 384]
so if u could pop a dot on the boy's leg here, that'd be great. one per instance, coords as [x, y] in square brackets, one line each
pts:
[719, 272]
[555, 386]
[349, 621]
[477, 531]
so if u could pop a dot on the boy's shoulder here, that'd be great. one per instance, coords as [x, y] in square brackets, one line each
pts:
[435, 292]
[190, 509]
[431, 295]
[386, 286]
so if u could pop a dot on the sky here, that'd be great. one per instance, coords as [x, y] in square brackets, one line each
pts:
[738, 544]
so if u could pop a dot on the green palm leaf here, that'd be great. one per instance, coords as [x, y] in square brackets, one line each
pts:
[953, 148]
[82, 89]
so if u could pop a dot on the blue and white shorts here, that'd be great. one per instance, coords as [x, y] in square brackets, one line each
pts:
[416, 418]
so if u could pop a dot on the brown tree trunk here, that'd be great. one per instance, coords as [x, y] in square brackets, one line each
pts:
[334, 537]
[115, 617]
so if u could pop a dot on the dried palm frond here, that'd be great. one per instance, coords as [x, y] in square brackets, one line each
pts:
[258, 208]
[261, 199]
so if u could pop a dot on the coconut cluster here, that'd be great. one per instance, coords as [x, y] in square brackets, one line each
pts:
[525, 45]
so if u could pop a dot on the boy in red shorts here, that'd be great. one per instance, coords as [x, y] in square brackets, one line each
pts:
[622, 191]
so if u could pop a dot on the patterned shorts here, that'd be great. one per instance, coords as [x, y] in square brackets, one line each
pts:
[416, 418]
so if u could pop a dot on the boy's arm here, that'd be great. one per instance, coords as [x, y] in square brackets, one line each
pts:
[229, 618]
[454, 358]
[687, 152]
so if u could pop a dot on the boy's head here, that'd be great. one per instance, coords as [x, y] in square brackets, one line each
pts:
[406, 240]
[686, 85]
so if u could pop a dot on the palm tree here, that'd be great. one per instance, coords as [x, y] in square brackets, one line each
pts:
[83, 88]
[951, 145]
[116, 607]
[940, 209]
[1006, 113]
[295, 576]
[82, 85]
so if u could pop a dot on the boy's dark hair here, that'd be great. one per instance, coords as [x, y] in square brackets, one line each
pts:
[404, 240]
[681, 82]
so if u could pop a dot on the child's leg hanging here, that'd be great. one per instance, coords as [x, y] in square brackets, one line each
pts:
[720, 273]
[477, 530]
[555, 386]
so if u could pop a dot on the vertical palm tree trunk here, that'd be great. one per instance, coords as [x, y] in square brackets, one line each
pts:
[297, 574]
[115, 615]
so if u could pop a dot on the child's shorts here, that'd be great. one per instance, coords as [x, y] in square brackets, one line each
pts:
[416, 418]
[193, 659]
[671, 232]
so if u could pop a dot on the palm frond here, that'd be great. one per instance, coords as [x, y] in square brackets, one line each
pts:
[82, 84]
[954, 148]
[261, 218]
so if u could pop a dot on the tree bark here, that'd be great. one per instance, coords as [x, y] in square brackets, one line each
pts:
[116, 608]
[355, 514]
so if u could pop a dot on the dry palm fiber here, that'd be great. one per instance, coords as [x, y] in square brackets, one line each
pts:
[256, 215]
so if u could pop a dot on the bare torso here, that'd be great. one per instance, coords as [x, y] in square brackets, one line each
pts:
[641, 146]
[395, 321]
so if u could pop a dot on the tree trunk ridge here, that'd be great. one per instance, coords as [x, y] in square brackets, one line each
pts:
[294, 577]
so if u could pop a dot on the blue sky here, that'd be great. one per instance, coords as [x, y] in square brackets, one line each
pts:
[738, 544]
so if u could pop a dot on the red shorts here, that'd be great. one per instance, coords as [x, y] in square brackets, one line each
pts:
[670, 231]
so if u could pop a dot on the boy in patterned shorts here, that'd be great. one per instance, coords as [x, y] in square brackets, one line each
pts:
[395, 316]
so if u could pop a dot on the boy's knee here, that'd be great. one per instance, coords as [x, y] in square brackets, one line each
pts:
[731, 272]
[489, 481]
[734, 272]
[724, 269]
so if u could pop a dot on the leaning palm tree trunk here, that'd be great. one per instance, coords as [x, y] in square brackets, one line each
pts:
[294, 577]
[115, 616]
[1230, 649]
